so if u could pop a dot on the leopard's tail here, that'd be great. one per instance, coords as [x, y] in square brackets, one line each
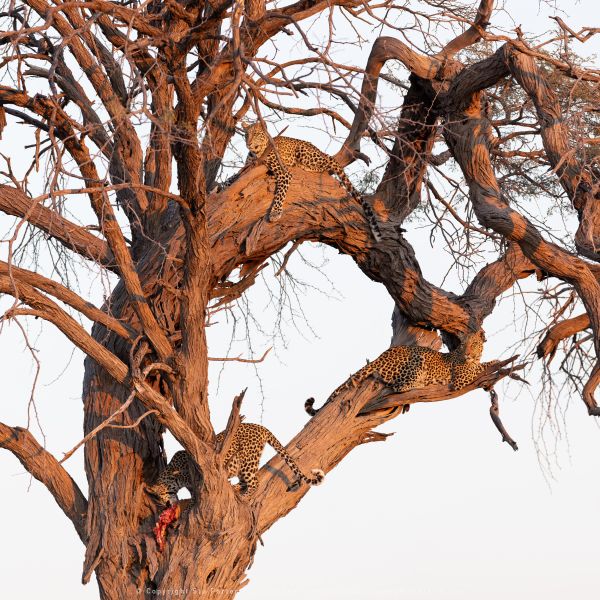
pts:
[309, 407]
[353, 380]
[367, 209]
[318, 474]
[309, 404]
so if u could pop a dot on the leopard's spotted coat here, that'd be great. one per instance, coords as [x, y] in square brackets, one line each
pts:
[283, 152]
[404, 368]
[241, 460]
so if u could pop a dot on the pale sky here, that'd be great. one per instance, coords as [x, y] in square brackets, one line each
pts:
[440, 511]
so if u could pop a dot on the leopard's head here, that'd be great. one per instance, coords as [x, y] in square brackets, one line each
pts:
[470, 349]
[174, 477]
[162, 493]
[473, 346]
[256, 137]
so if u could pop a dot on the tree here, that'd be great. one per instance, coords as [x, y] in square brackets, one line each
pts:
[117, 95]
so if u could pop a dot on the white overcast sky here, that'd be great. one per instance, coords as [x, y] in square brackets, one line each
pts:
[440, 511]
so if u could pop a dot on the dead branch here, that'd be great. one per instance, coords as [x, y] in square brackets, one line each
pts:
[233, 423]
[242, 360]
[495, 415]
[46, 469]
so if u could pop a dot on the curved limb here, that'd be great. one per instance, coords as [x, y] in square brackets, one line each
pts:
[46, 469]
[560, 331]
[467, 134]
[589, 389]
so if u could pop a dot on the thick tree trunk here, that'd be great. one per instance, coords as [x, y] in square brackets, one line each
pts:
[214, 542]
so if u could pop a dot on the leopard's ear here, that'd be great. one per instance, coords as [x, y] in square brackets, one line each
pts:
[245, 125]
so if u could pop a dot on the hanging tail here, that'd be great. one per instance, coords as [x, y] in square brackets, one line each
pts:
[367, 209]
[318, 474]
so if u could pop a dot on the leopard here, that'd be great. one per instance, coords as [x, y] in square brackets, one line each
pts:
[241, 460]
[282, 152]
[404, 368]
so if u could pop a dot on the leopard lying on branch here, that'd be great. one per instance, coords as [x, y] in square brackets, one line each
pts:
[282, 152]
[404, 368]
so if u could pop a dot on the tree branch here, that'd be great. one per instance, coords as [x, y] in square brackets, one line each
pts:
[102, 425]
[74, 32]
[468, 137]
[101, 206]
[316, 209]
[495, 415]
[45, 308]
[575, 179]
[384, 49]
[232, 424]
[560, 331]
[15, 203]
[50, 311]
[493, 372]
[46, 469]
[69, 297]
[472, 35]
[494, 279]
[339, 427]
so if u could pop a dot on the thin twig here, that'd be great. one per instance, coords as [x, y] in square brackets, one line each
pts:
[286, 258]
[137, 422]
[242, 360]
[102, 425]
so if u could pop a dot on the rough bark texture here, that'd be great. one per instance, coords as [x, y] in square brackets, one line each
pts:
[195, 70]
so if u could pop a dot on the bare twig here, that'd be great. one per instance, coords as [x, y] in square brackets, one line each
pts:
[99, 428]
[232, 424]
[495, 414]
[242, 360]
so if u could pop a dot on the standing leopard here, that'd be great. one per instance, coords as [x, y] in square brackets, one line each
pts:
[404, 368]
[283, 152]
[241, 460]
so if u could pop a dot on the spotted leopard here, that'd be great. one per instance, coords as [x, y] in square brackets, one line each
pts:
[241, 460]
[405, 368]
[283, 152]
